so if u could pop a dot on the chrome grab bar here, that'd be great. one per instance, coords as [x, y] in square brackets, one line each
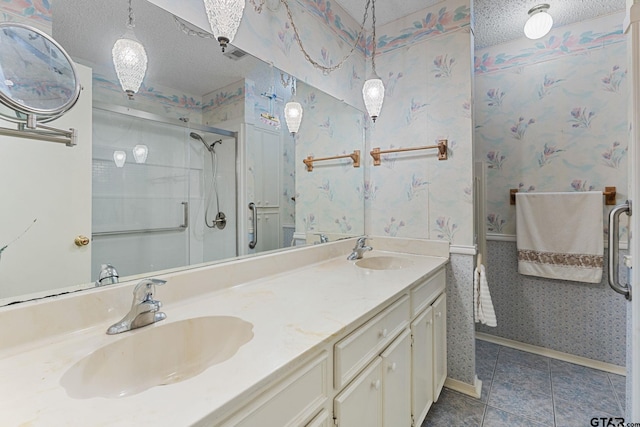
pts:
[254, 242]
[185, 215]
[181, 227]
[614, 226]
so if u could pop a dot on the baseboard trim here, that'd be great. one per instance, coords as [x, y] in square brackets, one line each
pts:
[554, 354]
[473, 390]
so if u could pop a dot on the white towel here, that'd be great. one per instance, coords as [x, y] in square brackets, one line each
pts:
[559, 235]
[482, 298]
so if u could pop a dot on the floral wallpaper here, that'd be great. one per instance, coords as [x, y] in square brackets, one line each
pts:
[443, 18]
[561, 42]
[330, 198]
[326, 31]
[152, 98]
[224, 104]
[555, 125]
[31, 12]
[428, 90]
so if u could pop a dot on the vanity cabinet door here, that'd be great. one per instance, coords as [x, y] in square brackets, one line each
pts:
[439, 344]
[360, 403]
[396, 382]
[323, 419]
[422, 365]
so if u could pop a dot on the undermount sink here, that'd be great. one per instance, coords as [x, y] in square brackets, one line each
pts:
[158, 355]
[384, 263]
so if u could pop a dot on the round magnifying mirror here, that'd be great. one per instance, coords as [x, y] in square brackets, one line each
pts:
[37, 77]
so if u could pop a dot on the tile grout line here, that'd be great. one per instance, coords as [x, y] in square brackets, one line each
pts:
[553, 399]
[493, 374]
[615, 394]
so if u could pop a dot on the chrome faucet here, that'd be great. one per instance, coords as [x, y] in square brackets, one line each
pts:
[144, 309]
[359, 249]
[323, 238]
[108, 275]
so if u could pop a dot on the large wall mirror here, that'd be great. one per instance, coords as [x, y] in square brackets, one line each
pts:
[204, 137]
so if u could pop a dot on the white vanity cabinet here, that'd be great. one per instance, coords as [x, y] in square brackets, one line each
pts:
[429, 347]
[439, 344]
[291, 402]
[360, 403]
[396, 382]
[386, 371]
[422, 386]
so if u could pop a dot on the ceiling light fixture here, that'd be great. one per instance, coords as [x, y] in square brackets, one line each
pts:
[293, 111]
[373, 89]
[129, 59]
[119, 157]
[224, 18]
[140, 153]
[539, 22]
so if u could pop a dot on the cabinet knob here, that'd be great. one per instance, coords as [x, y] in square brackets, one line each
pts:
[439, 314]
[384, 333]
[375, 384]
[393, 367]
[429, 322]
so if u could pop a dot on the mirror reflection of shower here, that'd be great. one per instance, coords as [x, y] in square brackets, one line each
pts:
[220, 220]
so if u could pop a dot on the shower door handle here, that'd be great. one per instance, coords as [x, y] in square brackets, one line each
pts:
[614, 231]
[254, 241]
[185, 215]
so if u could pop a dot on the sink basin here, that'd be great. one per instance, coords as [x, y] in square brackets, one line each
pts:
[384, 263]
[156, 355]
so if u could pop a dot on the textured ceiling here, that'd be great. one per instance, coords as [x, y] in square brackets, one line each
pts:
[87, 29]
[496, 21]
[499, 21]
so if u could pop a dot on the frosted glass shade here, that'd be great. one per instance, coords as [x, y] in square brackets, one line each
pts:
[293, 115]
[140, 153]
[130, 62]
[224, 18]
[373, 94]
[119, 157]
[538, 24]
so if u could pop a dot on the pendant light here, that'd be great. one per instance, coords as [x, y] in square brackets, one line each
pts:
[373, 89]
[224, 18]
[140, 153]
[539, 22]
[293, 111]
[129, 59]
[119, 157]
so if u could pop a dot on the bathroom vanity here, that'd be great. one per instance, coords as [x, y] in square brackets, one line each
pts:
[295, 338]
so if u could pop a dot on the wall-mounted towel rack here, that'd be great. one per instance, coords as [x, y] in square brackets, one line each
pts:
[355, 156]
[609, 195]
[441, 146]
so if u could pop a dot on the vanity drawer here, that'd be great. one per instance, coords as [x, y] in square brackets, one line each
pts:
[292, 402]
[425, 293]
[356, 350]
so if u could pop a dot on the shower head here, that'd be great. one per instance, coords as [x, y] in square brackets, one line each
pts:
[201, 139]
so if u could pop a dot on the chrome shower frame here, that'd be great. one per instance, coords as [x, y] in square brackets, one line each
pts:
[221, 219]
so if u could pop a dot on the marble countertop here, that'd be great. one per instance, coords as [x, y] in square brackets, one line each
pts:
[293, 312]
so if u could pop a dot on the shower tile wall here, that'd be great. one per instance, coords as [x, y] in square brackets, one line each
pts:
[550, 115]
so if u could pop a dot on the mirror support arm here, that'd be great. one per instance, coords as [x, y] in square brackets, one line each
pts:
[44, 133]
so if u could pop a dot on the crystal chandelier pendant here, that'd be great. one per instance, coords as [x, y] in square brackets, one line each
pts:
[293, 116]
[130, 62]
[224, 18]
[373, 95]
[140, 153]
[119, 157]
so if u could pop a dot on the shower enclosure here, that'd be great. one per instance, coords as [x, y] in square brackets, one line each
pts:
[153, 183]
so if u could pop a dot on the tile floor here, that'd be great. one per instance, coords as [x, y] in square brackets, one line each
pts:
[525, 389]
